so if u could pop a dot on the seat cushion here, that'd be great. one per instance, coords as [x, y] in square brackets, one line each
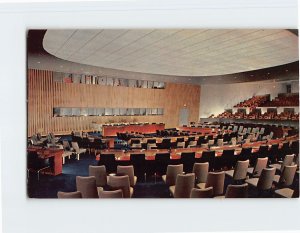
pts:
[252, 181]
[229, 173]
[201, 185]
[285, 192]
[276, 178]
[277, 166]
[172, 189]
[250, 170]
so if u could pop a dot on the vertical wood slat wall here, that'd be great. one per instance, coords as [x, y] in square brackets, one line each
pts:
[44, 94]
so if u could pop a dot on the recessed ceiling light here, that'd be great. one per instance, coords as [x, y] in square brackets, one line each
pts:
[38, 62]
[268, 73]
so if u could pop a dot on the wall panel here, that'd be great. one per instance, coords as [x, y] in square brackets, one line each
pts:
[44, 94]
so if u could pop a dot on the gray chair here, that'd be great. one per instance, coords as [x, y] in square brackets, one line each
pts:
[75, 194]
[184, 185]
[265, 181]
[287, 161]
[109, 194]
[215, 180]
[121, 182]
[287, 176]
[87, 186]
[99, 172]
[78, 150]
[202, 193]
[261, 163]
[237, 191]
[171, 175]
[128, 170]
[240, 171]
[201, 172]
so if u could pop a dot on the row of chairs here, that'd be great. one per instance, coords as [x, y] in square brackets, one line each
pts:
[98, 184]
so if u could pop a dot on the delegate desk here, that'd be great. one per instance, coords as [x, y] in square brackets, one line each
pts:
[111, 131]
[55, 156]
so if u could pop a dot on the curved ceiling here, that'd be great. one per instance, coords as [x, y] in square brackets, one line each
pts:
[188, 52]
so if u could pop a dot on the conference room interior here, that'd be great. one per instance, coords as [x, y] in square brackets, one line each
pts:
[162, 113]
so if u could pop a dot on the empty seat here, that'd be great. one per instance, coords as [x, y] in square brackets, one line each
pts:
[265, 181]
[208, 156]
[183, 186]
[288, 161]
[261, 163]
[202, 193]
[109, 161]
[237, 191]
[287, 176]
[138, 161]
[78, 150]
[215, 180]
[87, 186]
[121, 182]
[99, 172]
[171, 175]
[109, 194]
[228, 159]
[201, 172]
[75, 194]
[127, 170]
[188, 160]
[240, 171]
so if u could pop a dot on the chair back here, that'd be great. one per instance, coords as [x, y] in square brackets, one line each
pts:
[266, 178]
[233, 141]
[287, 175]
[75, 194]
[288, 161]
[204, 145]
[151, 146]
[66, 145]
[172, 172]
[188, 160]
[245, 154]
[110, 194]
[228, 158]
[220, 142]
[208, 156]
[263, 151]
[120, 182]
[202, 193]
[216, 180]
[237, 191]
[192, 144]
[87, 186]
[127, 170]
[241, 169]
[184, 185]
[261, 163]
[211, 142]
[180, 144]
[201, 172]
[75, 146]
[109, 161]
[99, 172]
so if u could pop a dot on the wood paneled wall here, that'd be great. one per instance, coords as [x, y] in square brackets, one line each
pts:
[44, 94]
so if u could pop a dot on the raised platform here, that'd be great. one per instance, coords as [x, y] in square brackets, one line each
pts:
[294, 124]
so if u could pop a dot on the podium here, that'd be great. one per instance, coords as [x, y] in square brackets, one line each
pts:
[54, 155]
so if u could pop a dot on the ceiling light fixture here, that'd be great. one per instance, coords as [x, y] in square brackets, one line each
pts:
[38, 62]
